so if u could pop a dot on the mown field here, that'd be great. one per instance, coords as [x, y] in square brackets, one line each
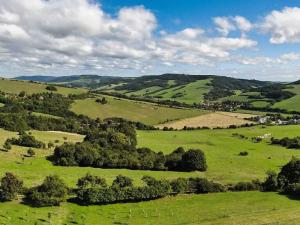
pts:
[147, 113]
[208, 209]
[211, 120]
[222, 150]
[16, 86]
[291, 104]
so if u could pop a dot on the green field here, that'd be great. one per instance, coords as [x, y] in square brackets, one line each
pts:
[222, 150]
[147, 113]
[224, 165]
[210, 209]
[15, 87]
[291, 104]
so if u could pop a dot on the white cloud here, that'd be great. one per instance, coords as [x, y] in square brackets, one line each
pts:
[283, 25]
[225, 26]
[243, 24]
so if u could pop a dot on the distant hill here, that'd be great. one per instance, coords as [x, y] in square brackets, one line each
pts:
[89, 81]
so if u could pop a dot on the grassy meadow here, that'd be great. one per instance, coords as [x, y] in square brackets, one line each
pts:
[222, 150]
[147, 113]
[208, 209]
[291, 104]
[16, 86]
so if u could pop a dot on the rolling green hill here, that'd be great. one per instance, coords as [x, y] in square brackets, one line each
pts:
[293, 103]
[16, 86]
[144, 112]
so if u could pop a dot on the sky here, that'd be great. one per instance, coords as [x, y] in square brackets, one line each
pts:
[257, 39]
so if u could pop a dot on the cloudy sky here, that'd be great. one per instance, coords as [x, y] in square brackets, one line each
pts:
[248, 39]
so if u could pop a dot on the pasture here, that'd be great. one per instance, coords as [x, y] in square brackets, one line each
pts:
[211, 120]
[144, 112]
[16, 86]
[290, 104]
[222, 150]
[207, 209]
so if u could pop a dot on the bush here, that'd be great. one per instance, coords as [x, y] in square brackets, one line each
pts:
[247, 186]
[27, 140]
[90, 181]
[51, 192]
[51, 88]
[202, 185]
[179, 186]
[10, 187]
[243, 153]
[30, 152]
[193, 159]
[122, 181]
[289, 174]
[270, 184]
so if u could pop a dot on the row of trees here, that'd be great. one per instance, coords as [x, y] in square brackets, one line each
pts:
[25, 140]
[91, 154]
[287, 142]
[95, 190]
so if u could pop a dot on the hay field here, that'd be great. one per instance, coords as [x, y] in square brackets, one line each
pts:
[211, 120]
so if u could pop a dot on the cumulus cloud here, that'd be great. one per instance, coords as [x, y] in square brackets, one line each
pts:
[283, 25]
[67, 36]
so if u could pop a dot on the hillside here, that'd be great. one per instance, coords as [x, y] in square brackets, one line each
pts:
[16, 86]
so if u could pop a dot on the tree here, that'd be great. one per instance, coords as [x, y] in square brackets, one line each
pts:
[289, 174]
[193, 159]
[7, 145]
[270, 184]
[51, 192]
[122, 181]
[51, 88]
[10, 187]
[30, 152]
[180, 185]
[90, 181]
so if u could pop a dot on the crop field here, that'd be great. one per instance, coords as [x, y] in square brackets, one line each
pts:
[291, 104]
[147, 113]
[16, 86]
[211, 120]
[222, 150]
[209, 209]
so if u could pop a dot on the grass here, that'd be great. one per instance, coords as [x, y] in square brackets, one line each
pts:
[16, 86]
[45, 115]
[224, 165]
[34, 170]
[222, 150]
[209, 209]
[147, 113]
[290, 104]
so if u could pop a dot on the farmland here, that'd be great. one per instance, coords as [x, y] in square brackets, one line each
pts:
[132, 110]
[291, 104]
[211, 120]
[15, 87]
[223, 208]
[222, 151]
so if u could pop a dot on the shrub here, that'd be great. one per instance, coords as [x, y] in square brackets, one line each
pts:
[122, 181]
[90, 181]
[193, 159]
[289, 174]
[270, 184]
[7, 145]
[51, 88]
[179, 186]
[30, 152]
[247, 186]
[245, 153]
[51, 192]
[27, 140]
[202, 185]
[10, 187]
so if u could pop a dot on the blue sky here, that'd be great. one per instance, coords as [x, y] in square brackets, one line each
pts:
[257, 39]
